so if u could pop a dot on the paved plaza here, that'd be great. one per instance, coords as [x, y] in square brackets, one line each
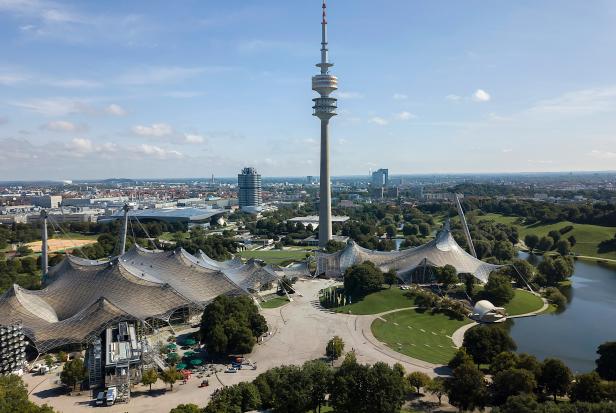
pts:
[299, 332]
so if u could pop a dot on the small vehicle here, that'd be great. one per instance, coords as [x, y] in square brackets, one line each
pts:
[100, 399]
[43, 370]
[231, 370]
[112, 395]
[204, 383]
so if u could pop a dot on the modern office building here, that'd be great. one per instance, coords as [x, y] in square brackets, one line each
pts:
[324, 108]
[380, 178]
[249, 183]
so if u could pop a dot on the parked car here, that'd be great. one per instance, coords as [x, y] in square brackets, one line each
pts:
[231, 370]
[100, 399]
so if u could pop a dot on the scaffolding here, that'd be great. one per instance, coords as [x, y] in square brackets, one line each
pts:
[95, 364]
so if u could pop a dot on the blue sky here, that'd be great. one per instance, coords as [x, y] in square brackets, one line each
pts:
[96, 89]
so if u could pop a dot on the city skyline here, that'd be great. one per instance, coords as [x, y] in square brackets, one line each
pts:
[160, 92]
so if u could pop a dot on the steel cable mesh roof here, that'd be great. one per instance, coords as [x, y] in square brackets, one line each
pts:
[83, 296]
[440, 251]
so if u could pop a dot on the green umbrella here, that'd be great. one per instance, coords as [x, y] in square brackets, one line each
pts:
[180, 366]
[172, 346]
[189, 353]
[190, 341]
[196, 362]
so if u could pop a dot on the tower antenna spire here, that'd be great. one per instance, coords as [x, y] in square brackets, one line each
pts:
[324, 108]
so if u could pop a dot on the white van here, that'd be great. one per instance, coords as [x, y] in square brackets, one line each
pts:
[112, 394]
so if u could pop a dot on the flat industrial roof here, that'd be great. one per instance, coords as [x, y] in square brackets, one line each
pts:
[169, 214]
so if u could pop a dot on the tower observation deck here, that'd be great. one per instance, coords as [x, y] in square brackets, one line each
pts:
[324, 108]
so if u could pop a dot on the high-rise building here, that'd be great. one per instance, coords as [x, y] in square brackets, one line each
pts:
[249, 183]
[324, 108]
[380, 178]
[311, 180]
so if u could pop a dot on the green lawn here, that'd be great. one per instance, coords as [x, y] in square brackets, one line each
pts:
[523, 302]
[384, 300]
[588, 236]
[420, 335]
[275, 302]
[275, 256]
[170, 236]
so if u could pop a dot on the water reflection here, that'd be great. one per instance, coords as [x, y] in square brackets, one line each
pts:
[574, 334]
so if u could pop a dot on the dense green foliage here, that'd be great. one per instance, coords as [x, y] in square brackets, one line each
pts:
[484, 342]
[242, 397]
[14, 397]
[334, 348]
[467, 387]
[230, 325]
[498, 290]
[73, 373]
[606, 363]
[361, 279]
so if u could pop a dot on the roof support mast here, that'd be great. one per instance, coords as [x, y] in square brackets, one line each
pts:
[44, 252]
[125, 208]
[467, 233]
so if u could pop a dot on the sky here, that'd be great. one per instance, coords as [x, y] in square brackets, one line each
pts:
[160, 89]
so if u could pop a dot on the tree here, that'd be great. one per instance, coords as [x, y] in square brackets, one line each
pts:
[186, 408]
[545, 243]
[531, 241]
[459, 358]
[587, 388]
[23, 250]
[319, 376]
[418, 379]
[241, 397]
[503, 250]
[555, 377]
[504, 361]
[498, 289]
[334, 246]
[62, 356]
[149, 377]
[74, 372]
[230, 325]
[390, 277]
[170, 375]
[555, 235]
[466, 388]
[424, 229]
[483, 248]
[606, 363]
[512, 382]
[484, 342]
[334, 348]
[447, 275]
[361, 279]
[523, 403]
[556, 269]
[530, 363]
[49, 360]
[14, 397]
[563, 247]
[436, 387]
[367, 389]
[390, 231]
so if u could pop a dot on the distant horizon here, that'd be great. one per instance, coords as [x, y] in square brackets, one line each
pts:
[358, 176]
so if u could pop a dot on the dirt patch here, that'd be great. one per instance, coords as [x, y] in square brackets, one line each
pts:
[54, 245]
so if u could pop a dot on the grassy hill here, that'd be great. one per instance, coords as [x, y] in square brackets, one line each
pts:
[588, 236]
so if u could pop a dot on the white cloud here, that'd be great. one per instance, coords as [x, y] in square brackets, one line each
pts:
[349, 95]
[481, 95]
[379, 121]
[400, 96]
[453, 98]
[507, 150]
[193, 138]
[159, 74]
[81, 146]
[595, 153]
[581, 102]
[61, 126]
[115, 110]
[10, 79]
[54, 106]
[156, 130]
[153, 151]
[404, 116]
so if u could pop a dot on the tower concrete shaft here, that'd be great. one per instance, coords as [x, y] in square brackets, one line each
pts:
[44, 252]
[324, 108]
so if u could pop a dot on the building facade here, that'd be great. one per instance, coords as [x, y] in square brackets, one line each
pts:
[380, 178]
[249, 193]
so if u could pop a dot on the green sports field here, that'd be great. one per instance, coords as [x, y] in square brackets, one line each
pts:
[385, 300]
[275, 302]
[275, 256]
[588, 236]
[523, 302]
[420, 335]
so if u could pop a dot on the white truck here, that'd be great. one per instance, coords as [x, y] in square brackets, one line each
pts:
[112, 395]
